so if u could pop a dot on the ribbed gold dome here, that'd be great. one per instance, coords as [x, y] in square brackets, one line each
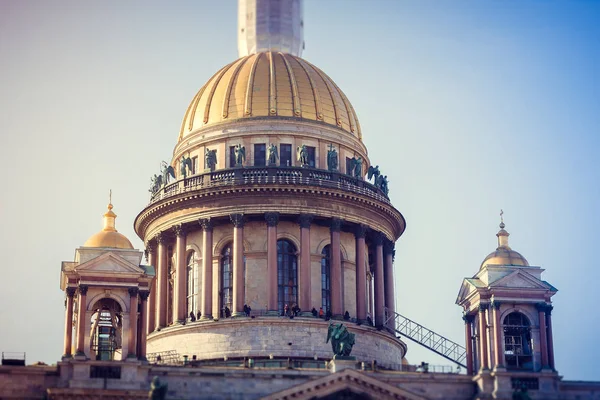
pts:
[270, 84]
[108, 236]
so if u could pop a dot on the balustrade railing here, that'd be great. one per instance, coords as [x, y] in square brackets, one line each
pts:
[269, 175]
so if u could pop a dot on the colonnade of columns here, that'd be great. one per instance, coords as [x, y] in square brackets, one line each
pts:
[134, 349]
[384, 286]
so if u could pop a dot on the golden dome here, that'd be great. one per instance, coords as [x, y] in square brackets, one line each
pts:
[108, 236]
[270, 84]
[504, 255]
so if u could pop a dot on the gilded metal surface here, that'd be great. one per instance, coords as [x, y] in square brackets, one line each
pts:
[270, 84]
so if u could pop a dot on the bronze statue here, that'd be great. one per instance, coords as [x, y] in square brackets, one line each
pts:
[156, 183]
[158, 391]
[341, 340]
[383, 185]
[186, 165]
[272, 155]
[167, 171]
[373, 172]
[210, 159]
[356, 167]
[332, 158]
[240, 155]
[302, 155]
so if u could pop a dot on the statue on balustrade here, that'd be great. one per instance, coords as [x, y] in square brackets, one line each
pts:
[341, 340]
[383, 184]
[356, 167]
[272, 155]
[210, 159]
[167, 171]
[302, 155]
[186, 165]
[373, 172]
[158, 391]
[240, 155]
[155, 184]
[332, 158]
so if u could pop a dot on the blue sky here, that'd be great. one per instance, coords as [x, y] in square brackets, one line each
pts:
[468, 107]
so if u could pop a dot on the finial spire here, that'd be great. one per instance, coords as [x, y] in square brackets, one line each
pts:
[110, 216]
[110, 206]
[502, 219]
[502, 234]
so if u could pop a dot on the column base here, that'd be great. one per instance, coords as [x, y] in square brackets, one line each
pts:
[238, 314]
[80, 356]
[338, 317]
[206, 318]
[307, 314]
[66, 357]
[272, 313]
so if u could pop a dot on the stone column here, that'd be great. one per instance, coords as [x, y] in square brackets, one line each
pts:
[81, 308]
[143, 321]
[499, 364]
[483, 341]
[163, 282]
[379, 290]
[469, 341]
[69, 323]
[180, 314]
[337, 302]
[133, 309]
[151, 303]
[361, 274]
[541, 307]
[272, 219]
[304, 271]
[549, 309]
[207, 269]
[239, 285]
[388, 249]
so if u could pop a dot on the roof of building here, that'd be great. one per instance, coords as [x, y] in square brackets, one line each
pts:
[108, 236]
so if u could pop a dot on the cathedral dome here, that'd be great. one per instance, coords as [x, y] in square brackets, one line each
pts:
[108, 236]
[504, 255]
[270, 85]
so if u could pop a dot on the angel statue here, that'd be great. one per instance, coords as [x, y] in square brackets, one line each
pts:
[332, 158]
[302, 155]
[373, 172]
[155, 183]
[240, 155]
[158, 391]
[356, 167]
[383, 184]
[186, 165]
[341, 340]
[210, 159]
[272, 155]
[167, 171]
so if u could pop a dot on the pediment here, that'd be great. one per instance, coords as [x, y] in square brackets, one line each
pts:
[519, 280]
[349, 382]
[468, 286]
[109, 263]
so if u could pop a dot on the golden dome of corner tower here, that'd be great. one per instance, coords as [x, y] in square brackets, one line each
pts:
[504, 255]
[108, 236]
[270, 85]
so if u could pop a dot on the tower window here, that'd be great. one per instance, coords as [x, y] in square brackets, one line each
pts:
[285, 155]
[194, 165]
[517, 342]
[326, 278]
[260, 155]
[311, 156]
[348, 166]
[287, 275]
[231, 156]
[226, 280]
[192, 281]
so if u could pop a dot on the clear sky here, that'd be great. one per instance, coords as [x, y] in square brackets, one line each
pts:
[468, 107]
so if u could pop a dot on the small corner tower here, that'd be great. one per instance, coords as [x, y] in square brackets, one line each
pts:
[507, 309]
[106, 289]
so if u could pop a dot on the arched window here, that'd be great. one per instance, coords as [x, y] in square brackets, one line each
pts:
[517, 342]
[192, 284]
[326, 278]
[287, 275]
[226, 280]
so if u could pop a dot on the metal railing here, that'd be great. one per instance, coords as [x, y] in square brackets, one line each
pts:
[427, 338]
[270, 175]
[169, 357]
[13, 358]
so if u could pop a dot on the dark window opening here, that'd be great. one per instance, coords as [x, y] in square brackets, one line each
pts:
[517, 342]
[287, 275]
[349, 166]
[260, 155]
[311, 156]
[285, 155]
[226, 280]
[231, 156]
[194, 166]
[326, 278]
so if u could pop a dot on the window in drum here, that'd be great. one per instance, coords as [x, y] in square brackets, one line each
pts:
[192, 284]
[326, 278]
[260, 155]
[311, 156]
[287, 275]
[285, 155]
[226, 292]
[231, 156]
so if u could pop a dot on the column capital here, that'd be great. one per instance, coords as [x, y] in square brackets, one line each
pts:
[378, 238]
[133, 291]
[541, 307]
[237, 220]
[180, 230]
[150, 247]
[272, 218]
[483, 307]
[305, 220]
[468, 318]
[161, 238]
[71, 291]
[206, 224]
[83, 289]
[549, 309]
[388, 246]
[496, 304]
[360, 231]
[144, 294]
[335, 225]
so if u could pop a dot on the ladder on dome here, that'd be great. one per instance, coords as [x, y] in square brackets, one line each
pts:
[427, 338]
